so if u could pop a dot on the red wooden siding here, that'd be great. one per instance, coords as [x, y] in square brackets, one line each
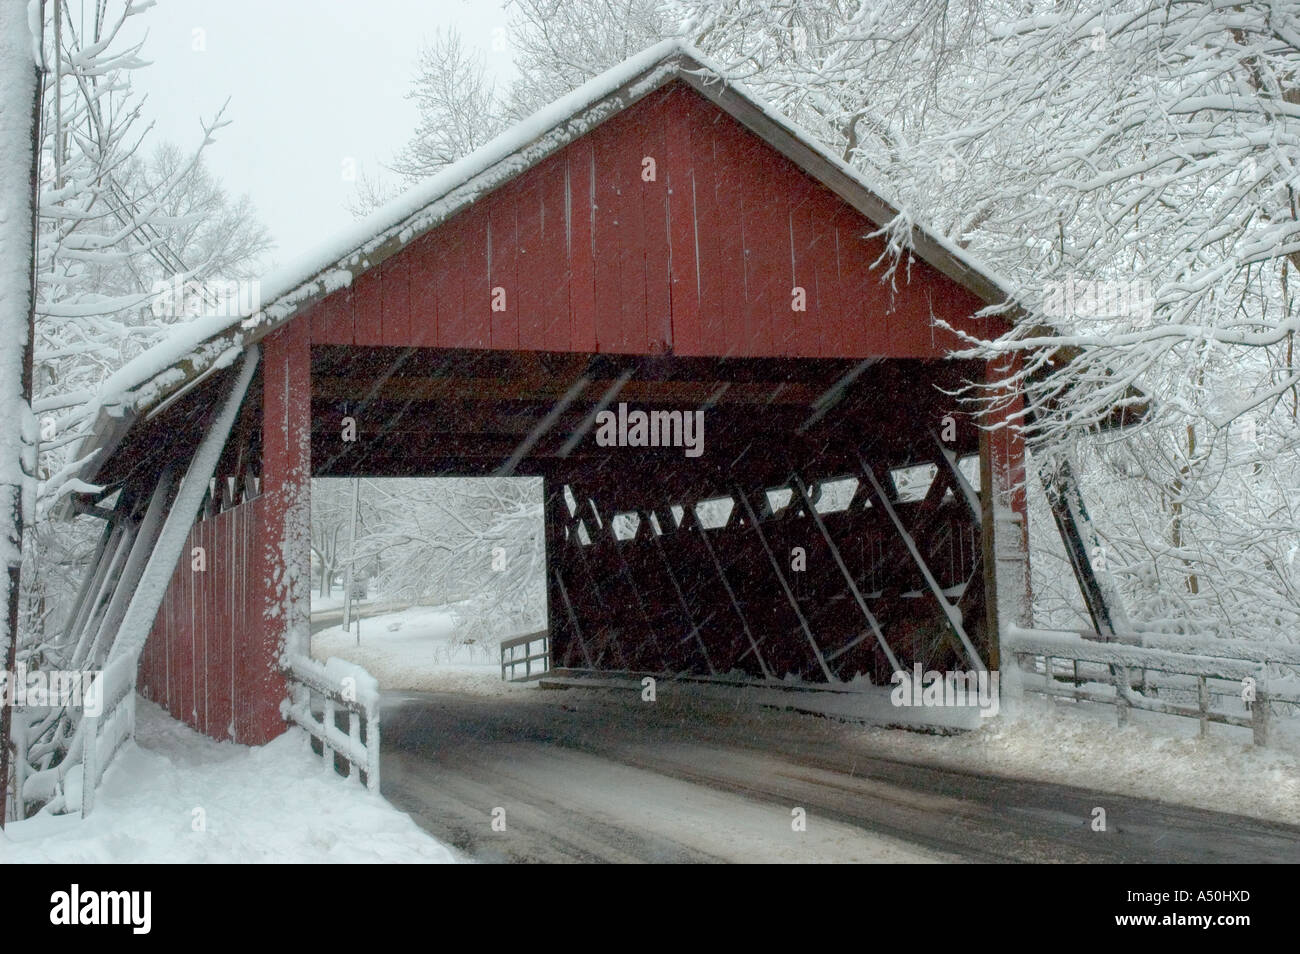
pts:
[212, 658]
[701, 261]
[200, 662]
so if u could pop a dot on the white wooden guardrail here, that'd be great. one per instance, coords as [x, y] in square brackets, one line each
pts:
[319, 695]
[519, 652]
[1244, 666]
[104, 719]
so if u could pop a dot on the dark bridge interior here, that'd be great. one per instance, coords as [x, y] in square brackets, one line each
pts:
[771, 554]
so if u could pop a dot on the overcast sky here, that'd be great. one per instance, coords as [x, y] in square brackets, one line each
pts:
[316, 88]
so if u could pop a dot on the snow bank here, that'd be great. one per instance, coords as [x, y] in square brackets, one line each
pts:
[175, 796]
[417, 649]
[1081, 745]
[1156, 757]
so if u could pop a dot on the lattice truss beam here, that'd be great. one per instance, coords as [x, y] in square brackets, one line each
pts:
[826, 579]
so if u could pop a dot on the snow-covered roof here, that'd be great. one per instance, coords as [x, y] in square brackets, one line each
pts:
[196, 350]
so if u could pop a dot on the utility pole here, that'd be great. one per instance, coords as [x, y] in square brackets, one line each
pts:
[347, 572]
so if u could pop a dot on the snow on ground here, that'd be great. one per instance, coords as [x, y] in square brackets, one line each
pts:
[271, 803]
[1155, 757]
[1081, 745]
[421, 649]
[332, 602]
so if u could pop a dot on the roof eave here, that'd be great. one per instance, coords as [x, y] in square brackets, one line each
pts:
[675, 62]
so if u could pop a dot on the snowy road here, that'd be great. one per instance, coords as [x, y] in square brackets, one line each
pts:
[329, 618]
[590, 776]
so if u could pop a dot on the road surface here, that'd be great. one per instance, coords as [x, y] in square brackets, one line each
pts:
[583, 775]
[328, 619]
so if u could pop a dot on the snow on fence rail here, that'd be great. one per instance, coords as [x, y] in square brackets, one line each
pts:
[97, 738]
[519, 652]
[105, 732]
[1244, 666]
[319, 695]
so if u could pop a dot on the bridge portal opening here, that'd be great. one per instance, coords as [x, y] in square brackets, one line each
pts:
[814, 519]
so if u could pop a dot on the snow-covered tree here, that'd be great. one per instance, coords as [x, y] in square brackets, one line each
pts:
[477, 541]
[331, 515]
[1128, 168]
[120, 215]
[18, 91]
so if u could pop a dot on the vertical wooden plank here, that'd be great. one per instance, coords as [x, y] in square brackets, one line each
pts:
[633, 335]
[367, 308]
[478, 284]
[658, 199]
[866, 328]
[531, 280]
[449, 284]
[955, 305]
[607, 237]
[422, 265]
[220, 677]
[197, 633]
[767, 247]
[551, 265]
[334, 324]
[254, 597]
[165, 688]
[394, 283]
[908, 303]
[798, 332]
[180, 641]
[217, 560]
[144, 673]
[216, 605]
[580, 244]
[503, 254]
[754, 304]
[217, 654]
[823, 255]
[185, 638]
[245, 609]
[688, 334]
[728, 171]
[142, 669]
[203, 593]
[707, 224]
[853, 314]
[316, 316]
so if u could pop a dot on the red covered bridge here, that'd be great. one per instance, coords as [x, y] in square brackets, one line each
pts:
[660, 240]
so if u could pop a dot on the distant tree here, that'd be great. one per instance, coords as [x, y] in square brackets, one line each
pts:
[480, 539]
[118, 214]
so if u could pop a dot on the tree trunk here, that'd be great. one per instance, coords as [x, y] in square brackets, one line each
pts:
[19, 135]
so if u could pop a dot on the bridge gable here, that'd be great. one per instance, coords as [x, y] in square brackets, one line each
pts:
[668, 228]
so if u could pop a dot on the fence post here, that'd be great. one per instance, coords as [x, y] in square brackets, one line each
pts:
[372, 751]
[20, 763]
[89, 762]
[327, 753]
[1122, 686]
[1203, 696]
[1259, 717]
[354, 733]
